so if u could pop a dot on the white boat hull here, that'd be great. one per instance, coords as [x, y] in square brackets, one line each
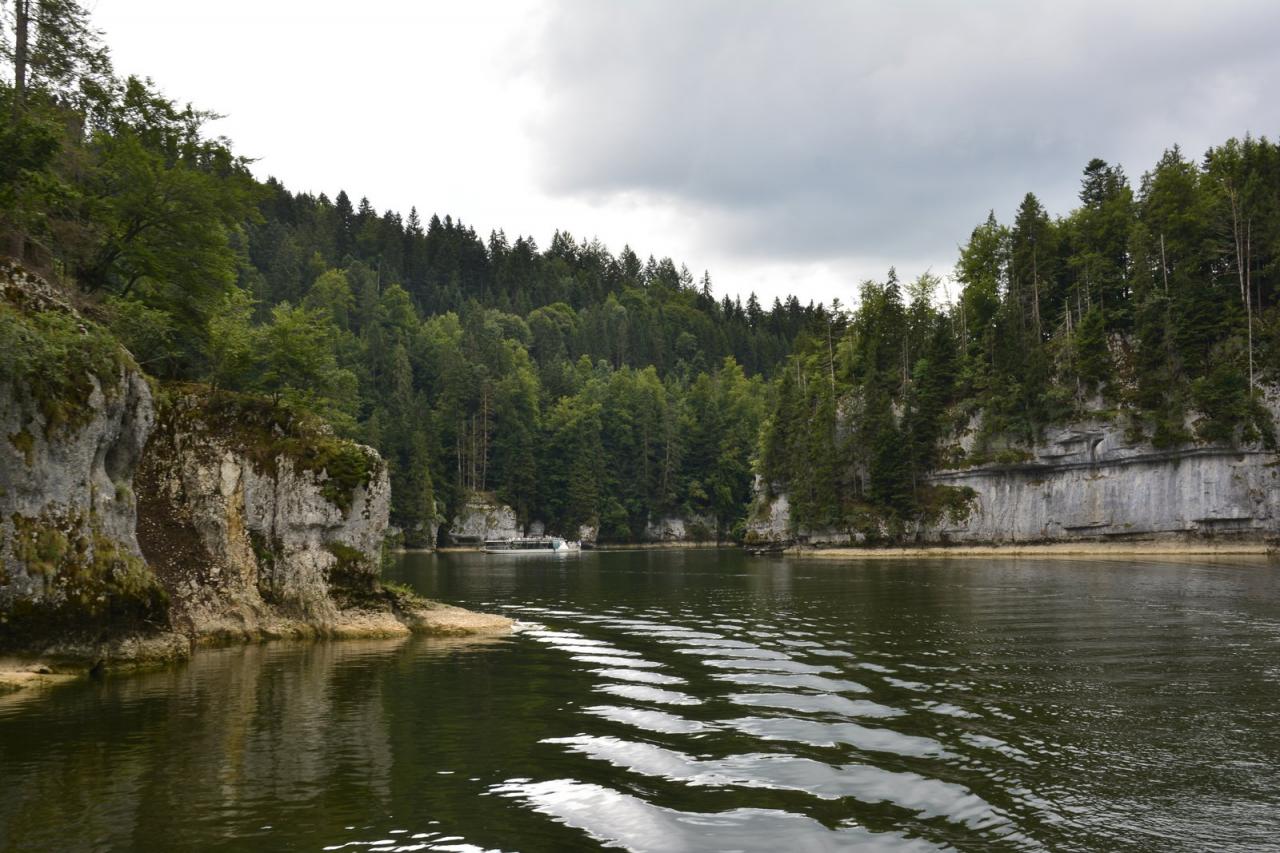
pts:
[532, 545]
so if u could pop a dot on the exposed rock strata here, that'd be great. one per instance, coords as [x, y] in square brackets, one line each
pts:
[482, 517]
[1088, 483]
[680, 529]
[71, 434]
[133, 524]
[249, 535]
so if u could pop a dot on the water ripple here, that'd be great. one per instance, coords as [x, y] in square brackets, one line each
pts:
[808, 703]
[612, 817]
[816, 733]
[928, 798]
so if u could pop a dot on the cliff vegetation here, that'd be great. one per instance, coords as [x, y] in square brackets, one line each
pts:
[590, 389]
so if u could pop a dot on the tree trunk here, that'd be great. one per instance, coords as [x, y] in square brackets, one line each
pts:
[1035, 295]
[21, 53]
[1238, 234]
[1164, 265]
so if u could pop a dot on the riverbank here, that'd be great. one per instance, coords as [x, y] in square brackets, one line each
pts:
[1046, 549]
[660, 546]
[70, 662]
[611, 546]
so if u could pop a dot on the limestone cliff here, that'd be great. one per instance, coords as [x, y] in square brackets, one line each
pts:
[258, 521]
[681, 529]
[1087, 481]
[75, 412]
[135, 519]
[481, 516]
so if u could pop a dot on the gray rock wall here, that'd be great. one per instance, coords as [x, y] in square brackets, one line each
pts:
[209, 513]
[482, 517]
[1090, 482]
[253, 546]
[679, 529]
[1086, 482]
[67, 456]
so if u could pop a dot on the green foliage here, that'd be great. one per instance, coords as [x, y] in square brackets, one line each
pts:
[51, 359]
[1093, 360]
[1150, 299]
[585, 387]
[150, 334]
[299, 364]
[234, 357]
[954, 504]
[90, 583]
[266, 432]
[351, 569]
[1222, 396]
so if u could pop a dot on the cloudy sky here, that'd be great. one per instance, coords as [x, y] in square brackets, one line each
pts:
[784, 147]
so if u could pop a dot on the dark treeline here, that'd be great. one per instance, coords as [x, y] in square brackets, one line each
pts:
[582, 388]
[1156, 307]
[629, 312]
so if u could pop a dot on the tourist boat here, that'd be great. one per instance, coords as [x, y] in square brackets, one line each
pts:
[531, 545]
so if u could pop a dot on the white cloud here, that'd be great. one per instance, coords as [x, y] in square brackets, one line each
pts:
[785, 147]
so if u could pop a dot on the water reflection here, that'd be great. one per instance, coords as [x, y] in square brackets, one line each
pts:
[253, 739]
[700, 701]
[630, 822]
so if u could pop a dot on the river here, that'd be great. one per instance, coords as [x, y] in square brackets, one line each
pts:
[699, 700]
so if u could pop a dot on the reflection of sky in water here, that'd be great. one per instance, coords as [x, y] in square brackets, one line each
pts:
[699, 702]
[630, 822]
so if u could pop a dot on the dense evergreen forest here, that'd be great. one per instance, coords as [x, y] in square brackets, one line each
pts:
[579, 386]
[584, 387]
[1153, 307]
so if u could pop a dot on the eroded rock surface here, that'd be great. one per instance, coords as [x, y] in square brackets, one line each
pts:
[482, 517]
[256, 521]
[134, 521]
[1091, 482]
[75, 413]
[1084, 482]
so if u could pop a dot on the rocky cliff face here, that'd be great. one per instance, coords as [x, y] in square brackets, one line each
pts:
[482, 517]
[679, 529]
[1086, 482]
[134, 521]
[75, 413]
[257, 521]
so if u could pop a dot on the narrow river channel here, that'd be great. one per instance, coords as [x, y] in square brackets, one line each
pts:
[699, 700]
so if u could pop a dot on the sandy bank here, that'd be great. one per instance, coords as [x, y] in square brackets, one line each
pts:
[1048, 549]
[68, 662]
[661, 546]
[610, 546]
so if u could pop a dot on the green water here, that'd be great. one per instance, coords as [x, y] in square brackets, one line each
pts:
[699, 700]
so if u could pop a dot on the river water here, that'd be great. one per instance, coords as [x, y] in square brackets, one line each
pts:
[699, 700]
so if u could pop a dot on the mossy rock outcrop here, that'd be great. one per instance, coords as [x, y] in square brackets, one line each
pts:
[75, 413]
[258, 520]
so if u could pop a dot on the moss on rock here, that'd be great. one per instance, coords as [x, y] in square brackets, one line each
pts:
[91, 583]
[52, 356]
[265, 432]
[23, 442]
[952, 503]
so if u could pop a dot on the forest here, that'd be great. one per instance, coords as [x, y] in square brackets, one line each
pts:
[1153, 307]
[583, 387]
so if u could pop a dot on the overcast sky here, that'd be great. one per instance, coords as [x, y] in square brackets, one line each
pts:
[784, 147]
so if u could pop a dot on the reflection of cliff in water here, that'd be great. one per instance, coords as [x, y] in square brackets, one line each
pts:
[285, 728]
